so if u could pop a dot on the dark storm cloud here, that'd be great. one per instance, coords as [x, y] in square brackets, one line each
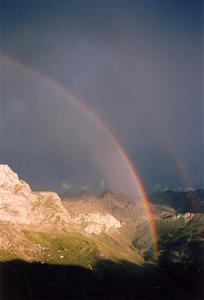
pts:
[137, 63]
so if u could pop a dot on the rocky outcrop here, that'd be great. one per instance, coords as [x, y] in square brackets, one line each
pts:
[96, 223]
[19, 204]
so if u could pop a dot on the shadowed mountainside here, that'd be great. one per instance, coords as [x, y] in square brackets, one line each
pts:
[111, 281]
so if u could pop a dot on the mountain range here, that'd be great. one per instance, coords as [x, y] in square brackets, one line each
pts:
[189, 201]
[82, 246]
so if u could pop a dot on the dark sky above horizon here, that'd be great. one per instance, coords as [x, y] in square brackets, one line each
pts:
[138, 64]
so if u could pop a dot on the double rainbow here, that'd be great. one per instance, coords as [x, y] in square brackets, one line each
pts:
[112, 138]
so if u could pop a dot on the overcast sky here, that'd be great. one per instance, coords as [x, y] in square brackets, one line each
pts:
[138, 64]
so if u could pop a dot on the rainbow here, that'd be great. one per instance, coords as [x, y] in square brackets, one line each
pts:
[179, 164]
[94, 116]
[174, 155]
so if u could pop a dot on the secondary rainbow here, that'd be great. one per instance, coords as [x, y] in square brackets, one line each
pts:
[94, 116]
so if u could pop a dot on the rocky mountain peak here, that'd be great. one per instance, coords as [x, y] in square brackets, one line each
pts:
[107, 194]
[10, 183]
[19, 204]
[7, 177]
[84, 194]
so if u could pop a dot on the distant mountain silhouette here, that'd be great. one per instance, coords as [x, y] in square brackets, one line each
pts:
[190, 201]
